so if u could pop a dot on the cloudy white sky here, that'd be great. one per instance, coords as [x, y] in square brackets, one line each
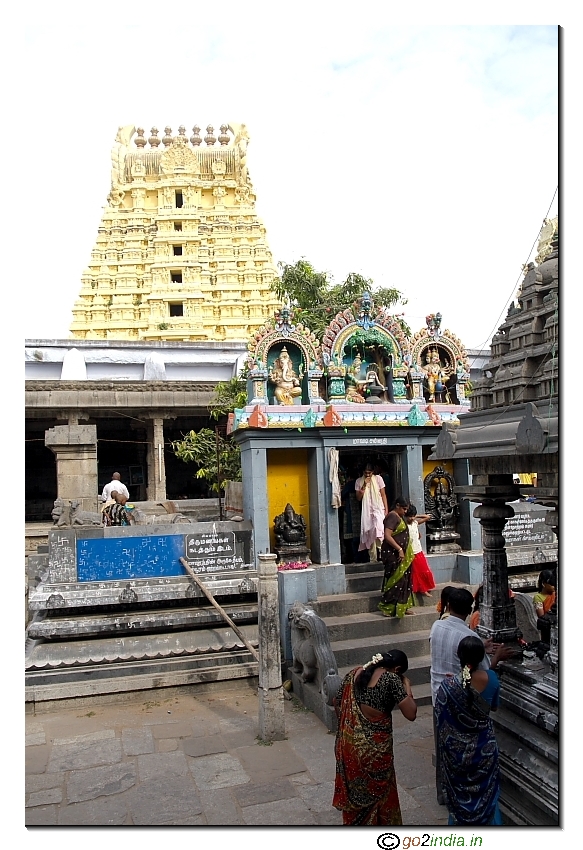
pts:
[423, 156]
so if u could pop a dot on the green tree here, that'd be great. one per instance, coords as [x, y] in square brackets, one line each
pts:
[218, 458]
[228, 395]
[316, 298]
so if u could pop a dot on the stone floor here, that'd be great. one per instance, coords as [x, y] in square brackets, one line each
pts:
[175, 758]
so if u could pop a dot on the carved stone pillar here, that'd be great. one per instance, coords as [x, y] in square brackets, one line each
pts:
[271, 710]
[156, 467]
[75, 448]
[550, 683]
[497, 611]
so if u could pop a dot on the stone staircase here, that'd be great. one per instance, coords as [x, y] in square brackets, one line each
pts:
[357, 630]
[204, 653]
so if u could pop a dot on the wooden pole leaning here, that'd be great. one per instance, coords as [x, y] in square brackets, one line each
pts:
[222, 612]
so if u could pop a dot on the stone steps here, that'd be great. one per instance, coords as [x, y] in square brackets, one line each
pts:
[357, 631]
[79, 668]
[75, 624]
[96, 680]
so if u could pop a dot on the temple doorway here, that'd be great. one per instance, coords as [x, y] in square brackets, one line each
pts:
[352, 461]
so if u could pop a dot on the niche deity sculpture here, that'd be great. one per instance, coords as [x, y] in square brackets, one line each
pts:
[355, 383]
[442, 506]
[287, 383]
[436, 375]
[290, 528]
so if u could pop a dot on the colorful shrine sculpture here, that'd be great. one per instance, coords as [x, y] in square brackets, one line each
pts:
[281, 380]
[440, 367]
[365, 370]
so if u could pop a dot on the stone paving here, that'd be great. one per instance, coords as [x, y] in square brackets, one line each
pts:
[182, 757]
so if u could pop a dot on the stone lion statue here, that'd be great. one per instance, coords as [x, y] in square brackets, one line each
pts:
[312, 654]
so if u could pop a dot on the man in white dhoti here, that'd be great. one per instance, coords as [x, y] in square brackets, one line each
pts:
[370, 490]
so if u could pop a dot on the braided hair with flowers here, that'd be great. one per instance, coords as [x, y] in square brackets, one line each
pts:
[470, 652]
[389, 660]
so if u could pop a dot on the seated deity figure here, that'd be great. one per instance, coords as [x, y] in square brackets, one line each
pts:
[289, 527]
[355, 383]
[436, 375]
[287, 383]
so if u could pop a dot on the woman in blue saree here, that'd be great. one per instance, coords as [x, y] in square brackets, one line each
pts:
[466, 740]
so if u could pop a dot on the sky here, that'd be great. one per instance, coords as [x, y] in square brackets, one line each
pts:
[422, 156]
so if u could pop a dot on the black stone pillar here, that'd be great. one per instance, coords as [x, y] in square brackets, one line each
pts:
[497, 612]
[551, 681]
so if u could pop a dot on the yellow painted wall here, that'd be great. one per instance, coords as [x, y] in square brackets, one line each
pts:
[429, 466]
[287, 481]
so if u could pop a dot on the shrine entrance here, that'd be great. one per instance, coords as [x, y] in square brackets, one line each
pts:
[352, 461]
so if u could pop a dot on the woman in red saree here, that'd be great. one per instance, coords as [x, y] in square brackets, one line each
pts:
[365, 789]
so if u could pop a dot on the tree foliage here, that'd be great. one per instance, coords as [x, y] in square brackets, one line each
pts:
[218, 458]
[316, 298]
[227, 396]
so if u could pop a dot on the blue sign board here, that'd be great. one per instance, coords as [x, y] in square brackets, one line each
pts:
[118, 558]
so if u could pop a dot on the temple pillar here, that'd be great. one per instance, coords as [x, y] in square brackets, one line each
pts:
[255, 502]
[270, 692]
[412, 475]
[156, 491]
[468, 527]
[324, 537]
[75, 449]
[412, 481]
[497, 611]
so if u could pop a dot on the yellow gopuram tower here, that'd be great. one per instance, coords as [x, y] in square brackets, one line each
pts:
[180, 252]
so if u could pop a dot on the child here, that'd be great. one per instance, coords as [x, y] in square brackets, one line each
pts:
[543, 601]
[545, 598]
[442, 605]
[421, 575]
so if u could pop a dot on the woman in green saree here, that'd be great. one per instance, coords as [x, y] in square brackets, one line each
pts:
[397, 557]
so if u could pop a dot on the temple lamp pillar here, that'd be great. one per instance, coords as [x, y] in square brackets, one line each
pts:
[552, 656]
[497, 611]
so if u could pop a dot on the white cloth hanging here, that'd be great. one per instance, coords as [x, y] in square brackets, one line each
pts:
[333, 461]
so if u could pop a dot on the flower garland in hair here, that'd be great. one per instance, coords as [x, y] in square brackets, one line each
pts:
[374, 660]
[466, 676]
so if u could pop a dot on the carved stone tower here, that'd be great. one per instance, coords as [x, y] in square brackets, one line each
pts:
[180, 252]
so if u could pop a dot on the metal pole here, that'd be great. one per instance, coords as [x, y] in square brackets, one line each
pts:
[223, 613]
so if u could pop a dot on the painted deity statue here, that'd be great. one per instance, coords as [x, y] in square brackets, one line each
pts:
[287, 383]
[436, 375]
[354, 382]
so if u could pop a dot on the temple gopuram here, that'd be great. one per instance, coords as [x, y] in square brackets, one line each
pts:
[180, 253]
